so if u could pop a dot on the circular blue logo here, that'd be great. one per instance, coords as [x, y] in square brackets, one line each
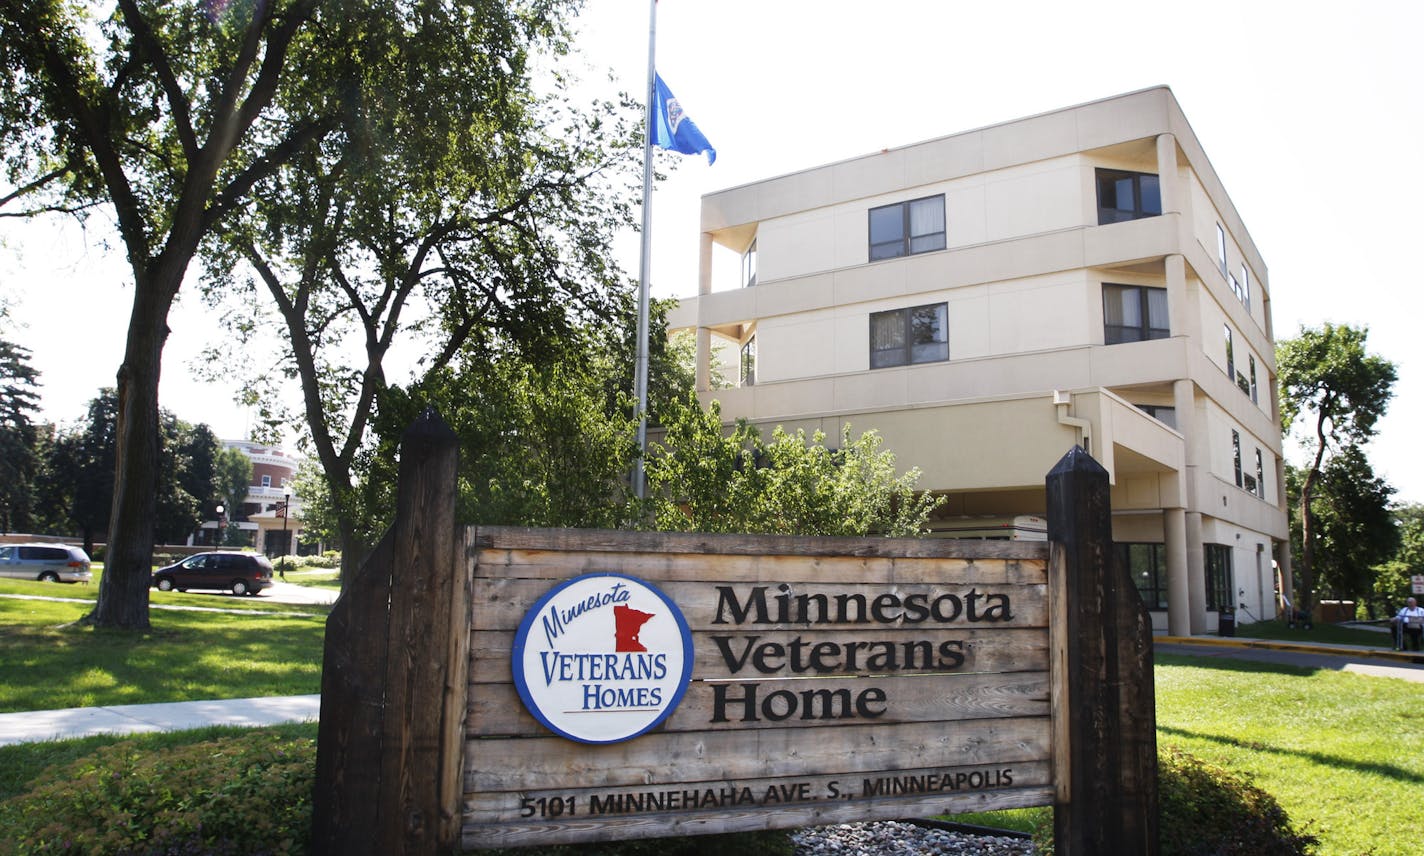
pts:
[602, 658]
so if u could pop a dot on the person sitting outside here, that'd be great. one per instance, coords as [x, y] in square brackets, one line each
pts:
[1410, 625]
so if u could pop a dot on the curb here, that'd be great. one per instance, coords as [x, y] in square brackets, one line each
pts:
[1408, 657]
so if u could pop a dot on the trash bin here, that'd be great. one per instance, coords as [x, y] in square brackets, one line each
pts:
[1226, 623]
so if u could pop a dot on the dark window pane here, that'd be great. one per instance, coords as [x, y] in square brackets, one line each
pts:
[886, 224]
[1124, 198]
[887, 331]
[927, 243]
[1151, 194]
[1157, 313]
[916, 226]
[918, 334]
[1134, 313]
[927, 323]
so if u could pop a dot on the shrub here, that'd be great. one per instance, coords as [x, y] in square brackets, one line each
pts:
[1210, 811]
[1207, 810]
[326, 561]
[247, 794]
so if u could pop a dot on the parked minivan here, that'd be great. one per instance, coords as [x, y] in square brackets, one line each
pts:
[240, 573]
[49, 563]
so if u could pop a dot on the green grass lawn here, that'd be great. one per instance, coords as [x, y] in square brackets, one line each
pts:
[316, 579]
[186, 656]
[1343, 753]
[1320, 634]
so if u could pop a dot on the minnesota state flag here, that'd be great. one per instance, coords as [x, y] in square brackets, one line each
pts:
[672, 130]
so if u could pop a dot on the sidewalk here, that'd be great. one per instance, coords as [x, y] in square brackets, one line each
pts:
[38, 725]
[1333, 649]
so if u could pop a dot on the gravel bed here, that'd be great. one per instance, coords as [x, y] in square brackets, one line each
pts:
[893, 838]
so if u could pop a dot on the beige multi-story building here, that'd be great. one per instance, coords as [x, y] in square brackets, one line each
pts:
[989, 299]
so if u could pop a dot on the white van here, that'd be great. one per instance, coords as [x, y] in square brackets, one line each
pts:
[49, 563]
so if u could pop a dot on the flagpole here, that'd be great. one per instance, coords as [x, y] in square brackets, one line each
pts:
[640, 374]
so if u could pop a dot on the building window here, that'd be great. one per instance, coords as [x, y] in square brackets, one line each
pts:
[1230, 352]
[1127, 196]
[1221, 248]
[1219, 577]
[1134, 313]
[748, 363]
[906, 228]
[919, 334]
[1260, 476]
[1166, 415]
[1245, 287]
[749, 265]
[266, 481]
[1147, 563]
[1236, 455]
[1251, 364]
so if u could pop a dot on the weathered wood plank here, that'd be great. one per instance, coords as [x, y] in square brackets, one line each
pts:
[426, 674]
[515, 538]
[480, 836]
[985, 650]
[344, 801]
[1112, 763]
[502, 604]
[547, 763]
[496, 710]
[692, 567]
[594, 803]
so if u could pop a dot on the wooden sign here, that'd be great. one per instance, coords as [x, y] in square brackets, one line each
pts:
[492, 687]
[832, 680]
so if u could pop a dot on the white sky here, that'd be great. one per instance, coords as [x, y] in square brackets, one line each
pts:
[1310, 112]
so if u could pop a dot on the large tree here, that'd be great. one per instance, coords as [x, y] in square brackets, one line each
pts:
[1331, 384]
[458, 212]
[1393, 578]
[1355, 530]
[78, 473]
[166, 115]
[19, 405]
[81, 464]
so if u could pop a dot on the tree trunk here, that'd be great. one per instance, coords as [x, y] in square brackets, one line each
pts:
[1305, 602]
[128, 558]
[353, 549]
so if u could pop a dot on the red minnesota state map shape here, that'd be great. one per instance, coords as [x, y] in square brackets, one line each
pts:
[628, 623]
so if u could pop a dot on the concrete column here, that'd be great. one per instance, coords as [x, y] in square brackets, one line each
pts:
[1174, 528]
[703, 373]
[1168, 179]
[1196, 459]
[704, 264]
[1283, 559]
[1183, 320]
[1196, 574]
[704, 359]
[1194, 450]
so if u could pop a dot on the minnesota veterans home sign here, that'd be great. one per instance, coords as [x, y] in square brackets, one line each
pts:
[557, 686]
[828, 680]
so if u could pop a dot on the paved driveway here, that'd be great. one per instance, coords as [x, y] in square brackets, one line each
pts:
[1350, 662]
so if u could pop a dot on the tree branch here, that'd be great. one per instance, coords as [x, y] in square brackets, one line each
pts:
[153, 52]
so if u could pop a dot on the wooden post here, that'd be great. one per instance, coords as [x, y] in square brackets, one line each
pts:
[1107, 766]
[395, 672]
